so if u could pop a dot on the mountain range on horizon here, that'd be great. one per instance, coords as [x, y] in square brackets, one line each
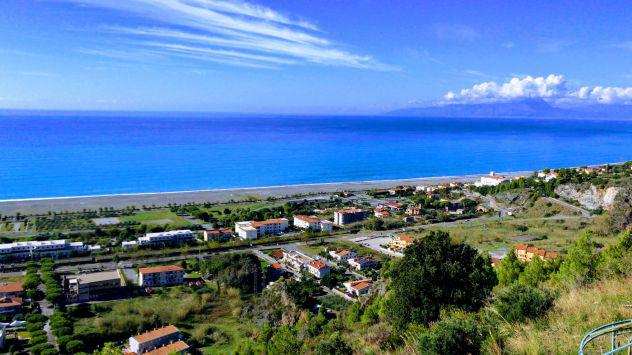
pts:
[526, 108]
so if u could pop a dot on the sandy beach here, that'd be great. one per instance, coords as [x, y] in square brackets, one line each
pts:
[77, 203]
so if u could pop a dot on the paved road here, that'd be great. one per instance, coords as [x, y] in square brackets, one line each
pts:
[584, 212]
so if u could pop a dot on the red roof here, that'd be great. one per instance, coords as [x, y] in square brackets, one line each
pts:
[169, 349]
[307, 218]
[407, 239]
[11, 287]
[157, 269]
[277, 266]
[521, 247]
[317, 264]
[268, 221]
[277, 254]
[533, 250]
[10, 302]
[156, 334]
[220, 231]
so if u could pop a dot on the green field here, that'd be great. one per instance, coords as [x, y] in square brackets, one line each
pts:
[155, 217]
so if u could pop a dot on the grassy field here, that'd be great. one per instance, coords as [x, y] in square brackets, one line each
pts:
[13, 279]
[155, 217]
[544, 208]
[554, 235]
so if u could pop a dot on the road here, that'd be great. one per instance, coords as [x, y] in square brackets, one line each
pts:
[585, 213]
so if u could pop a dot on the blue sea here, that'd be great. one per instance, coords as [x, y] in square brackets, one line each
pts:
[77, 154]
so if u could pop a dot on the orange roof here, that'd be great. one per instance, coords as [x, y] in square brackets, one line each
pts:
[541, 252]
[350, 210]
[220, 231]
[551, 254]
[317, 264]
[169, 349]
[157, 269]
[267, 221]
[406, 238]
[277, 254]
[360, 285]
[495, 262]
[307, 218]
[156, 333]
[521, 247]
[532, 250]
[277, 265]
[11, 287]
[8, 302]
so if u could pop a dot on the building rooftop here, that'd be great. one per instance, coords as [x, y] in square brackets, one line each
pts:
[309, 219]
[9, 287]
[350, 210]
[96, 277]
[8, 302]
[268, 221]
[157, 269]
[317, 264]
[156, 333]
[169, 349]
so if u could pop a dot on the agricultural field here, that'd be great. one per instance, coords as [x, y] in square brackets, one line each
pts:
[155, 218]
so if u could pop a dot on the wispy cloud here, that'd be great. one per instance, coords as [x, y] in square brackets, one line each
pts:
[508, 45]
[228, 32]
[623, 45]
[456, 32]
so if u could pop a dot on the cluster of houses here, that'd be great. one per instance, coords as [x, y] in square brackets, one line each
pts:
[354, 260]
[298, 261]
[400, 243]
[527, 253]
[160, 341]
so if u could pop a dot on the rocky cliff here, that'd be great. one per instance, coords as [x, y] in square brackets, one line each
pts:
[589, 197]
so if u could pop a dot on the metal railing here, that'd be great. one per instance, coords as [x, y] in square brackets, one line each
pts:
[616, 331]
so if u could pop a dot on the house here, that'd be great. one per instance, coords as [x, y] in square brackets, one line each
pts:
[363, 263]
[495, 262]
[216, 234]
[161, 238]
[318, 268]
[547, 176]
[312, 223]
[177, 348]
[256, 229]
[400, 243]
[527, 253]
[456, 184]
[359, 287]
[277, 254]
[154, 340]
[11, 305]
[414, 210]
[296, 259]
[11, 289]
[157, 276]
[348, 216]
[492, 179]
[398, 190]
[341, 255]
[380, 213]
[91, 286]
[390, 206]
[39, 249]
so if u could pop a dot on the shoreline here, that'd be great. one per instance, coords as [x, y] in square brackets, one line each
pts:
[77, 203]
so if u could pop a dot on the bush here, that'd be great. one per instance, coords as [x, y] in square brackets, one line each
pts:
[520, 302]
[38, 340]
[454, 335]
[43, 348]
[74, 346]
[32, 327]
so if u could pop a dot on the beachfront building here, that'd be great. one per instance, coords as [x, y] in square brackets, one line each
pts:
[158, 276]
[295, 259]
[91, 286]
[363, 263]
[318, 268]
[492, 179]
[400, 243]
[359, 287]
[163, 341]
[40, 249]
[547, 176]
[11, 289]
[256, 229]
[216, 234]
[312, 223]
[348, 216]
[341, 255]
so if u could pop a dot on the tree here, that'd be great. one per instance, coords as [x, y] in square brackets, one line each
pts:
[434, 274]
[285, 342]
[617, 258]
[580, 264]
[509, 269]
[520, 302]
[74, 346]
[454, 335]
[536, 272]
[335, 345]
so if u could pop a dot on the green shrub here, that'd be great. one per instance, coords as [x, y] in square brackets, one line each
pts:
[520, 302]
[454, 335]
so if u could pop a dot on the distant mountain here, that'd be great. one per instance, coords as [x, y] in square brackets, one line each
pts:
[536, 108]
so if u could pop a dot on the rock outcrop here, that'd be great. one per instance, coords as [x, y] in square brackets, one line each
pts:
[589, 197]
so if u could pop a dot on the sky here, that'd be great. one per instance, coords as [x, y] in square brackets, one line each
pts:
[310, 57]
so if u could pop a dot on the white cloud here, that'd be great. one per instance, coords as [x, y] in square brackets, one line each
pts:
[552, 88]
[231, 32]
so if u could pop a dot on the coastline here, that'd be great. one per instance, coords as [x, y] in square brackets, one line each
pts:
[78, 203]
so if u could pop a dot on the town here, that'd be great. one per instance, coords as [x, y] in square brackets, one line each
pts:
[65, 277]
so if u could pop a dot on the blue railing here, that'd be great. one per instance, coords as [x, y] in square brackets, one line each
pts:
[615, 329]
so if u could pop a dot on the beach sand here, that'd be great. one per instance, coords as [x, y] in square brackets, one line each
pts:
[78, 203]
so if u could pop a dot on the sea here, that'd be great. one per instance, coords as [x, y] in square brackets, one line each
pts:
[79, 154]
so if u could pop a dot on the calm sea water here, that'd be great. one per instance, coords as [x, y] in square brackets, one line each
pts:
[49, 156]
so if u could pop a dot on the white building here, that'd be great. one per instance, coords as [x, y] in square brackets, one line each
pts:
[256, 229]
[38, 249]
[318, 268]
[177, 236]
[390, 206]
[312, 223]
[362, 263]
[129, 245]
[547, 176]
[155, 339]
[359, 287]
[341, 255]
[168, 275]
[492, 179]
[296, 259]
[351, 215]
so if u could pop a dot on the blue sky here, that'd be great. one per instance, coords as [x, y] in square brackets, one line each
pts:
[307, 56]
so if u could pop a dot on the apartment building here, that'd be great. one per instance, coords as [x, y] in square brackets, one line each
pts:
[158, 276]
[318, 268]
[492, 180]
[296, 260]
[216, 234]
[91, 286]
[11, 289]
[256, 229]
[341, 255]
[348, 216]
[312, 223]
[41, 249]
[158, 341]
[171, 237]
